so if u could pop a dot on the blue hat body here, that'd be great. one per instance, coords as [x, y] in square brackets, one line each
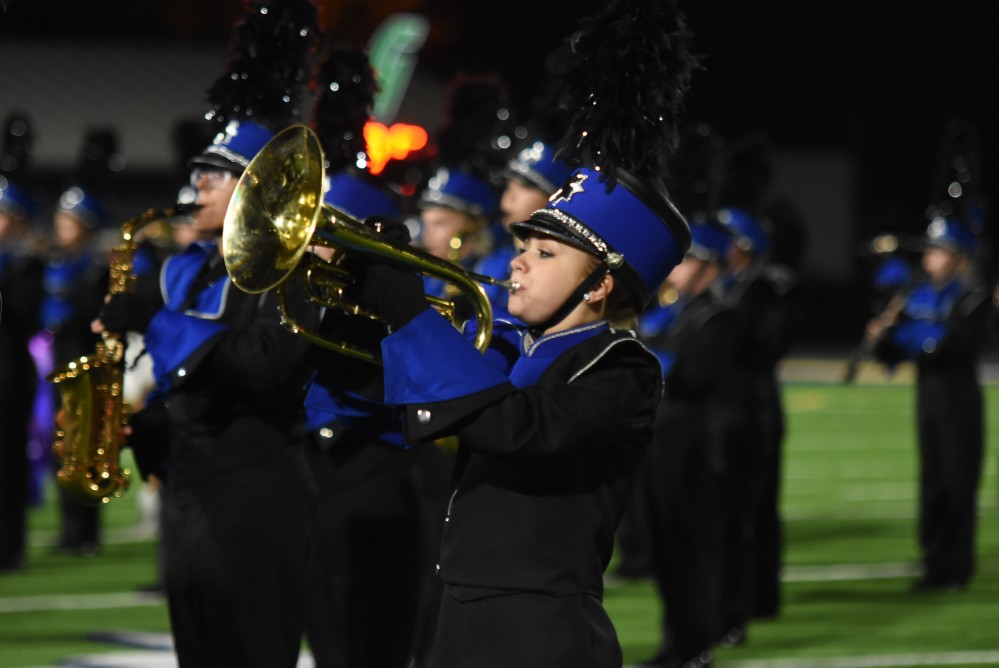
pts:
[359, 198]
[951, 235]
[235, 147]
[462, 191]
[749, 234]
[894, 272]
[16, 201]
[638, 232]
[83, 206]
[709, 242]
[536, 164]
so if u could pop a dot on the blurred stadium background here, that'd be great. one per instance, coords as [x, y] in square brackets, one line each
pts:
[853, 97]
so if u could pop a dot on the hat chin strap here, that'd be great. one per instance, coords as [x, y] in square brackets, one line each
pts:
[573, 300]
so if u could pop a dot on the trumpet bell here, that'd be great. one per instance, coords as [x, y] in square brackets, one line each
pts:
[277, 213]
[273, 212]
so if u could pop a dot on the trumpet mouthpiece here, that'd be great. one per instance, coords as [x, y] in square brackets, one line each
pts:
[512, 287]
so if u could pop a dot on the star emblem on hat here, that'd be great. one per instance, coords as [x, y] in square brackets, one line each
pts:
[575, 186]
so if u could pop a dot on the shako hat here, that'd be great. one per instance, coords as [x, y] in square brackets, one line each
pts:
[461, 190]
[16, 200]
[84, 206]
[709, 242]
[748, 231]
[360, 196]
[951, 235]
[536, 165]
[624, 89]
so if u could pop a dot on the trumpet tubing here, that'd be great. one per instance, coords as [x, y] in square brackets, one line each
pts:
[277, 214]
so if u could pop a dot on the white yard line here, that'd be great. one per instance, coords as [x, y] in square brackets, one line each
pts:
[80, 602]
[841, 572]
[878, 660]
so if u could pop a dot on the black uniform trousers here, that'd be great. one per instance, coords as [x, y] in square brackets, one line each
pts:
[476, 630]
[240, 578]
[20, 289]
[364, 578]
[239, 500]
[685, 481]
[950, 428]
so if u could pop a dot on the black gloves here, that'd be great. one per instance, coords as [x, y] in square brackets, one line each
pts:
[391, 229]
[128, 311]
[342, 371]
[150, 440]
[395, 295]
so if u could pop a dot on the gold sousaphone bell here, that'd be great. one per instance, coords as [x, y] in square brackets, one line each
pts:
[277, 214]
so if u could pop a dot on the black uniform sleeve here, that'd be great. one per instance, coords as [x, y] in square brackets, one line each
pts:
[260, 356]
[966, 327]
[22, 294]
[703, 362]
[620, 391]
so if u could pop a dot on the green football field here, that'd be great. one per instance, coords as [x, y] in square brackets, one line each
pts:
[848, 501]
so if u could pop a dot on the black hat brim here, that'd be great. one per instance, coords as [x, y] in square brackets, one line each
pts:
[543, 223]
[216, 161]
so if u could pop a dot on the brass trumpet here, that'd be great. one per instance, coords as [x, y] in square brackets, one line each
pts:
[277, 213]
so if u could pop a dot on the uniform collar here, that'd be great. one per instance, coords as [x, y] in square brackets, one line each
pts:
[553, 345]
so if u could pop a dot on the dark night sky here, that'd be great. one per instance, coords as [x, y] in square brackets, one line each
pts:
[809, 72]
[878, 78]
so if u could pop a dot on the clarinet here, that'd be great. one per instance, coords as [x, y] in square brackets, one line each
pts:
[889, 317]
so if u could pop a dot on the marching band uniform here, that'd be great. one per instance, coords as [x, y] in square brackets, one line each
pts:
[685, 472]
[755, 399]
[223, 428]
[778, 329]
[224, 424]
[550, 444]
[21, 292]
[465, 201]
[362, 600]
[76, 280]
[551, 431]
[942, 328]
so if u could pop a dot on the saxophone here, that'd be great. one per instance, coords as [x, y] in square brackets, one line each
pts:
[88, 426]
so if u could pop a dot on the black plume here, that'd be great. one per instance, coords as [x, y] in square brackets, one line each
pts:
[624, 90]
[955, 190]
[695, 170]
[548, 120]
[747, 173]
[344, 88]
[477, 116]
[100, 158]
[18, 141]
[267, 68]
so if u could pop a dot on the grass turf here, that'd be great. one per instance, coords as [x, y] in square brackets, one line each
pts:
[848, 499]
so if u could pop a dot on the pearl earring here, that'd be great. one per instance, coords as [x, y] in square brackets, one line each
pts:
[586, 297]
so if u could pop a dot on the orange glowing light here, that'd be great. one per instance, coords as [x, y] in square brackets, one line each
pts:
[392, 143]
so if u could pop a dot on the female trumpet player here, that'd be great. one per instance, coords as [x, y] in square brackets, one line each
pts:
[552, 436]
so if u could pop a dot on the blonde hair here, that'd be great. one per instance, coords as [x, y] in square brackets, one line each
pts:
[619, 307]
